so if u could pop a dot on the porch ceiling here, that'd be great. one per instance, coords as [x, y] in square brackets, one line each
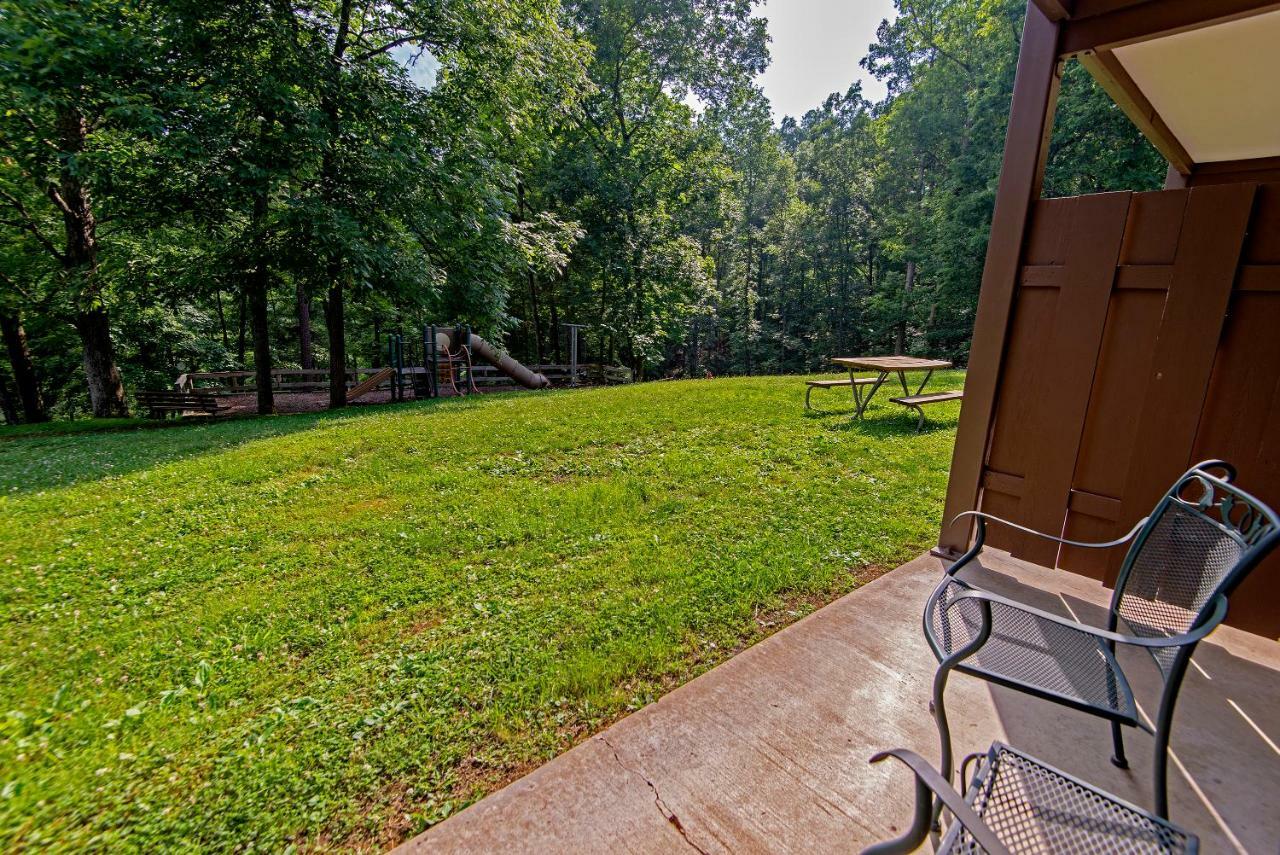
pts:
[1214, 87]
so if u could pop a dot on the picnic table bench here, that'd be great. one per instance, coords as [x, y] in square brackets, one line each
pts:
[831, 384]
[919, 402]
[160, 402]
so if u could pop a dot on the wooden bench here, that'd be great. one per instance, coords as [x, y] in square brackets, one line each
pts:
[919, 402]
[831, 384]
[160, 402]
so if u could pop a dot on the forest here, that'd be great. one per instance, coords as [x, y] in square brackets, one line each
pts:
[247, 184]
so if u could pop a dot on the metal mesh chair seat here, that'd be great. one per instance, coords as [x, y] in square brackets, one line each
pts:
[1026, 650]
[1035, 808]
[1202, 539]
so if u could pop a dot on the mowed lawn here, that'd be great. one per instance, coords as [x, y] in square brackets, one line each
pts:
[332, 631]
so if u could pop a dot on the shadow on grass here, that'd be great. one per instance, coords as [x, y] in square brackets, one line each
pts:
[885, 423]
[49, 460]
[826, 414]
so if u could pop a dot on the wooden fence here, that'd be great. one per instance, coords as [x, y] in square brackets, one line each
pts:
[1145, 336]
[317, 380]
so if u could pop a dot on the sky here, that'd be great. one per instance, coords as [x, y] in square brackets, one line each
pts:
[815, 47]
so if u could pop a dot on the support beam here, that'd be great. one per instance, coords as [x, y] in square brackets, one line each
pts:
[1054, 10]
[1260, 169]
[1115, 80]
[1035, 93]
[1143, 21]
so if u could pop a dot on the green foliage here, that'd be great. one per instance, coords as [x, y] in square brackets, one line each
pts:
[356, 624]
[512, 164]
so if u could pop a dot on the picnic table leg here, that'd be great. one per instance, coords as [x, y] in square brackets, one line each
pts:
[923, 383]
[865, 402]
[920, 422]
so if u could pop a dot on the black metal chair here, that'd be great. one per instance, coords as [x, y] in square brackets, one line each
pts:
[1199, 543]
[1016, 803]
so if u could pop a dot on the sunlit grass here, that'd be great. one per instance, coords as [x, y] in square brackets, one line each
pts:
[336, 630]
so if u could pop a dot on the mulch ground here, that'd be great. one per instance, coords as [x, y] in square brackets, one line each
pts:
[312, 402]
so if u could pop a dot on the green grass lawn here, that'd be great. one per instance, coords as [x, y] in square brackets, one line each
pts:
[335, 630]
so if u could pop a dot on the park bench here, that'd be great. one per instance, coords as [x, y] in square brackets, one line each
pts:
[160, 402]
[831, 384]
[919, 402]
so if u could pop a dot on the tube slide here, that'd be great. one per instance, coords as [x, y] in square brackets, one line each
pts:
[497, 358]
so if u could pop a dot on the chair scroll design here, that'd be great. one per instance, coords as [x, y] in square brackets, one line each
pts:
[1199, 543]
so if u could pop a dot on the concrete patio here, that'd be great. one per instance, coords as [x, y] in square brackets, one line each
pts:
[768, 752]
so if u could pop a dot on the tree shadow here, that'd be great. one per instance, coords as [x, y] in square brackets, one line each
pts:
[882, 422]
[39, 462]
[827, 414]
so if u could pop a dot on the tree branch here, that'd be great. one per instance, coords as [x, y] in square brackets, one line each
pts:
[28, 224]
[391, 45]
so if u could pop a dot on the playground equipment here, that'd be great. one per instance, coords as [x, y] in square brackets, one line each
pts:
[448, 364]
[573, 351]
[364, 388]
[462, 339]
[444, 361]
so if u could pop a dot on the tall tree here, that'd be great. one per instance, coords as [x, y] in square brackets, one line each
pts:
[633, 156]
[77, 81]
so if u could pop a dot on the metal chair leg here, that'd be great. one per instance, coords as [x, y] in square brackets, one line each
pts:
[1161, 777]
[1117, 739]
[944, 737]
[939, 689]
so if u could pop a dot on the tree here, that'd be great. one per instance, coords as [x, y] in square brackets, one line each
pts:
[633, 158]
[77, 83]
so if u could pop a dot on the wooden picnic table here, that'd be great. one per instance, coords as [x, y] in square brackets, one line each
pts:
[884, 366]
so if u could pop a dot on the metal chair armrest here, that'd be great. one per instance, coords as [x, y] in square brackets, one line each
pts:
[980, 537]
[1215, 617]
[982, 516]
[928, 782]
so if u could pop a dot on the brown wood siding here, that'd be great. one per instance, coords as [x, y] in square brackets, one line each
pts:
[1241, 421]
[1143, 337]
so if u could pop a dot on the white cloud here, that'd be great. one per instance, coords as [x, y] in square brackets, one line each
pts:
[816, 46]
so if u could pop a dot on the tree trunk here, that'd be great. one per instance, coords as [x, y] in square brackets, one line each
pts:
[7, 407]
[80, 262]
[306, 354]
[537, 324]
[334, 323]
[555, 325]
[106, 392]
[533, 281]
[257, 297]
[24, 371]
[334, 318]
[900, 340]
[222, 318]
[240, 335]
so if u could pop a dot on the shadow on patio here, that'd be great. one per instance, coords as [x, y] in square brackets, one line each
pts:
[768, 752]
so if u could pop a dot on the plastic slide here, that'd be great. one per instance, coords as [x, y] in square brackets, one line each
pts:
[452, 339]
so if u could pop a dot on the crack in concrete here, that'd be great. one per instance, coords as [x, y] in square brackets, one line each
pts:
[667, 813]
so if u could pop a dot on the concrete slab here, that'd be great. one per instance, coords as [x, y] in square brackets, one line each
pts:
[768, 752]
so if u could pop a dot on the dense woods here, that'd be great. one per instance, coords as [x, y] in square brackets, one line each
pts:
[254, 183]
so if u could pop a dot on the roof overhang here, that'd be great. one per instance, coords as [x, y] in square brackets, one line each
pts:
[1200, 78]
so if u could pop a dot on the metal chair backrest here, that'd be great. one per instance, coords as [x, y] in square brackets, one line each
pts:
[1200, 542]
